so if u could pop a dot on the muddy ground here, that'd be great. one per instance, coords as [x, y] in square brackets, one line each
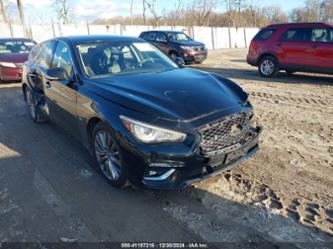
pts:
[49, 190]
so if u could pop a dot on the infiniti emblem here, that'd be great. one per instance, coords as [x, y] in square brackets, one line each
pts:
[235, 129]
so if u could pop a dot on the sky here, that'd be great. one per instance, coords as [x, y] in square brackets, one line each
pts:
[39, 11]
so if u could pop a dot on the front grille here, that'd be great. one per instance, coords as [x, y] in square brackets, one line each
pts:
[224, 135]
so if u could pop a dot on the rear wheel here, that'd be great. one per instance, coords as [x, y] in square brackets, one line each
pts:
[268, 67]
[108, 156]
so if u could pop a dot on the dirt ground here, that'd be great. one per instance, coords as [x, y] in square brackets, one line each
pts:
[50, 192]
[292, 175]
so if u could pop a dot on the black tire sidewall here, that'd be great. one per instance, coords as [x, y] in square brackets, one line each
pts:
[175, 54]
[276, 66]
[123, 178]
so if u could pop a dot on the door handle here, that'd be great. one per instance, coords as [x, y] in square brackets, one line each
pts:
[315, 46]
[32, 75]
[48, 84]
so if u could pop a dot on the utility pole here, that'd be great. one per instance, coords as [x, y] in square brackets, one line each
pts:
[20, 8]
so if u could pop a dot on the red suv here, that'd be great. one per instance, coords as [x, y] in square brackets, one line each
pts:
[304, 47]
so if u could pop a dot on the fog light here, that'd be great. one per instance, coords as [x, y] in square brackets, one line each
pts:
[152, 172]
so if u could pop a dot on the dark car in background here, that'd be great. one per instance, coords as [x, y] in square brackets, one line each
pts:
[293, 47]
[142, 117]
[177, 44]
[13, 53]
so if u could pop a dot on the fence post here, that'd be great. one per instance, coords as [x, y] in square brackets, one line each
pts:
[11, 29]
[88, 29]
[245, 40]
[229, 36]
[213, 38]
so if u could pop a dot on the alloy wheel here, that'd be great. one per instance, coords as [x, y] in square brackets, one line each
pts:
[267, 67]
[107, 155]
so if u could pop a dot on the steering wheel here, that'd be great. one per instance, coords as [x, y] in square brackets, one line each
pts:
[150, 60]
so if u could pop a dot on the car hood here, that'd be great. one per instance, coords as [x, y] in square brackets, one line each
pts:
[177, 94]
[190, 43]
[15, 58]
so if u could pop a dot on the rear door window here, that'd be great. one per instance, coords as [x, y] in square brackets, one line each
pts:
[322, 35]
[297, 34]
[161, 37]
[62, 58]
[151, 36]
[264, 34]
[44, 54]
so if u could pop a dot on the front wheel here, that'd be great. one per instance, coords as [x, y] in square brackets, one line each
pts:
[268, 67]
[32, 106]
[108, 156]
[173, 56]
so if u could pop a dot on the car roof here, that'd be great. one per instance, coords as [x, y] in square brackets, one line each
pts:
[98, 38]
[164, 31]
[299, 25]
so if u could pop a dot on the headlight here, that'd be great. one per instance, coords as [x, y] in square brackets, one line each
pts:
[7, 64]
[186, 47]
[147, 133]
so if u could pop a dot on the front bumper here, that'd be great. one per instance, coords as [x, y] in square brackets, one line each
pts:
[193, 57]
[178, 171]
[251, 61]
[10, 74]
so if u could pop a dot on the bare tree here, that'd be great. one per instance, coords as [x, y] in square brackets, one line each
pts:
[144, 7]
[3, 12]
[202, 10]
[22, 19]
[152, 7]
[326, 10]
[63, 9]
[275, 14]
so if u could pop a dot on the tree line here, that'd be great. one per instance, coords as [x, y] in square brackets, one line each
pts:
[238, 13]
[216, 13]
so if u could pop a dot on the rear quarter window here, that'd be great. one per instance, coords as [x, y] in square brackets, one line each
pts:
[297, 34]
[264, 34]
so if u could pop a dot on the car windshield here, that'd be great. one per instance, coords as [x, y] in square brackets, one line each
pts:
[179, 37]
[16, 46]
[118, 58]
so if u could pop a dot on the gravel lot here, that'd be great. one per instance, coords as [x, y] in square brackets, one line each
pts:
[49, 190]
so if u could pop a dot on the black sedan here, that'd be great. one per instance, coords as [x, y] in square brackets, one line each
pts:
[145, 119]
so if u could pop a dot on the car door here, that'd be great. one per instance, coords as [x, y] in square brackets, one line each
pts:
[296, 48]
[322, 39]
[61, 94]
[39, 62]
[161, 42]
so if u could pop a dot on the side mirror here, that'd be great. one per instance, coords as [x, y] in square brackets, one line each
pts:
[56, 74]
[180, 61]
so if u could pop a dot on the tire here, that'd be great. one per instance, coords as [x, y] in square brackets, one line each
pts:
[31, 102]
[268, 67]
[108, 156]
[173, 55]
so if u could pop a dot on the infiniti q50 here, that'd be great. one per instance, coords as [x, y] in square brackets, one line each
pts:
[144, 118]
